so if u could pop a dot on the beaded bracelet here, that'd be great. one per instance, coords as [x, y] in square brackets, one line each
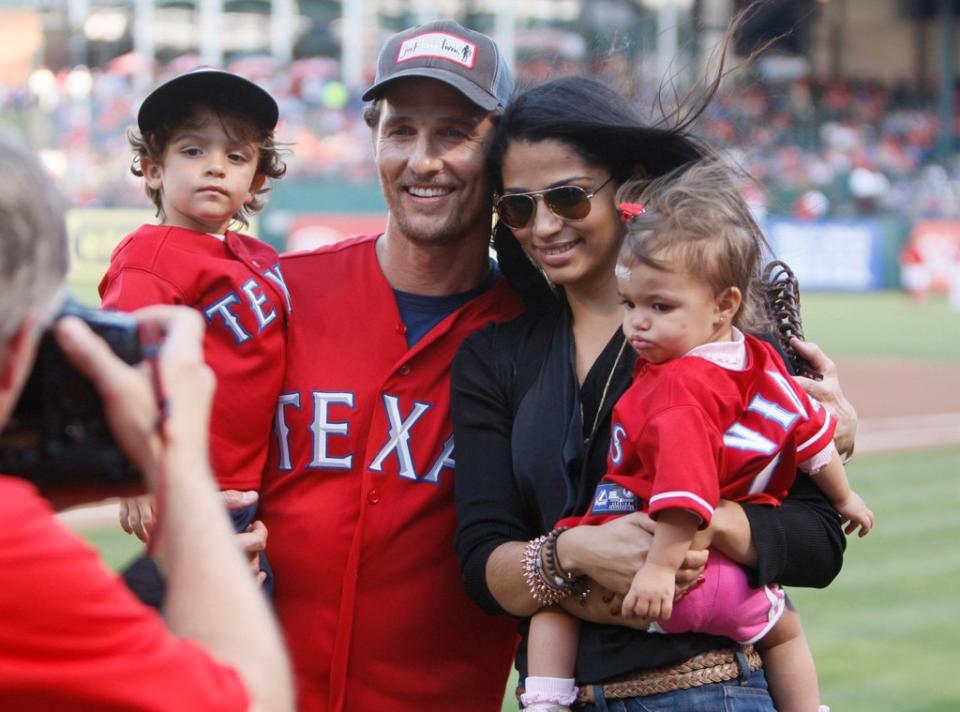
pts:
[545, 589]
[577, 584]
[555, 560]
[549, 559]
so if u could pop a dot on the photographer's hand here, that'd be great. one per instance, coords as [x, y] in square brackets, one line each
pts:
[128, 393]
[209, 587]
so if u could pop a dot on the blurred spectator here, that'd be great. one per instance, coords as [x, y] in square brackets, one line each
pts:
[863, 146]
[811, 205]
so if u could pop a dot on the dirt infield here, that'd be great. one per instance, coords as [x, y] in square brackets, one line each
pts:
[903, 404]
[883, 388]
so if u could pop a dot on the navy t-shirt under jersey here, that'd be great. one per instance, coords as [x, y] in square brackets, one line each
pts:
[421, 313]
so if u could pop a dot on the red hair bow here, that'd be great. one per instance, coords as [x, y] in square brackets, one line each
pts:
[628, 211]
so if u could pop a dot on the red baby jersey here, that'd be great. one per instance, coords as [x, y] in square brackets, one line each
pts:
[358, 499]
[73, 636]
[684, 421]
[237, 285]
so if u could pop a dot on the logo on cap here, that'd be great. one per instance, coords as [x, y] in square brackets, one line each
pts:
[441, 45]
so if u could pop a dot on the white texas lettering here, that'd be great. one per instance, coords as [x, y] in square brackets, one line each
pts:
[399, 441]
[444, 461]
[282, 431]
[791, 395]
[257, 299]
[772, 411]
[222, 309]
[323, 428]
[741, 437]
[275, 276]
[617, 434]
[762, 478]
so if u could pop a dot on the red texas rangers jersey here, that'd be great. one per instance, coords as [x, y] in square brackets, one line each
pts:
[236, 284]
[73, 636]
[358, 499]
[684, 421]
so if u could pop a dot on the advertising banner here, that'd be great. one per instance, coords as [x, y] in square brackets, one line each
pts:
[93, 233]
[830, 255]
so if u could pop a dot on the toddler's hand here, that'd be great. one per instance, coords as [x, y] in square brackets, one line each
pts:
[855, 513]
[651, 593]
[137, 516]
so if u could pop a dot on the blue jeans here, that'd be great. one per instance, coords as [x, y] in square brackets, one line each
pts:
[730, 696]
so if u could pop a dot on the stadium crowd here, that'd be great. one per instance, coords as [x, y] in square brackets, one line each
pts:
[838, 148]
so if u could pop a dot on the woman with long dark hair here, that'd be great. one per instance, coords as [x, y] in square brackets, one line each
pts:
[531, 407]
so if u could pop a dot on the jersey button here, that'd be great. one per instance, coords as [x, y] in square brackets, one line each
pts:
[404, 370]
[373, 496]
[402, 328]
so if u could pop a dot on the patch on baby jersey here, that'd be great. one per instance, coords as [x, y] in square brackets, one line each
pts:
[611, 498]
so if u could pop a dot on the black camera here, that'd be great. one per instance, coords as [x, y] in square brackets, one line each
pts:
[57, 436]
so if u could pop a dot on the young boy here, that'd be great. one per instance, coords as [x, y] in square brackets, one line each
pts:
[205, 149]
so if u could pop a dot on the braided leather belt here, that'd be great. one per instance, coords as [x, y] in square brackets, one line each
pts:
[703, 669]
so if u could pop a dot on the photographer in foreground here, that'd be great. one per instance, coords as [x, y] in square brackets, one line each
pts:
[73, 637]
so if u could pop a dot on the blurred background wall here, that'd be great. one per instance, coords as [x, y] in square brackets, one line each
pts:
[846, 124]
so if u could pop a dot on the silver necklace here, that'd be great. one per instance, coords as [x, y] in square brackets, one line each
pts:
[603, 395]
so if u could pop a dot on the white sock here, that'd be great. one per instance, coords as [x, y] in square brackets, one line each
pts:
[548, 691]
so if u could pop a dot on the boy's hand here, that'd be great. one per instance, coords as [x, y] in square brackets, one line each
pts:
[254, 539]
[651, 593]
[855, 513]
[137, 516]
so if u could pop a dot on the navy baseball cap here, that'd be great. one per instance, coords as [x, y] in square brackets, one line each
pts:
[444, 50]
[207, 83]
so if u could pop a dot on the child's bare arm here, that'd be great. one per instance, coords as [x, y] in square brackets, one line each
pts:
[832, 479]
[653, 588]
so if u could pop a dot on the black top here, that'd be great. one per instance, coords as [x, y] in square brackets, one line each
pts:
[523, 466]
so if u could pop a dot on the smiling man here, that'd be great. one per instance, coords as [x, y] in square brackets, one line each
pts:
[358, 495]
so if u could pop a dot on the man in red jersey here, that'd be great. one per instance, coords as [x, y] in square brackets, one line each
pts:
[73, 637]
[358, 493]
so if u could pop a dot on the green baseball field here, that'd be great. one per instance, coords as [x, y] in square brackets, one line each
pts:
[886, 633]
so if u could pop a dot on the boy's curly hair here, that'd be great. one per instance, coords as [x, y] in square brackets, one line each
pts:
[238, 125]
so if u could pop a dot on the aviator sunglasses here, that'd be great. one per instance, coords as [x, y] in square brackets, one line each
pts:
[569, 202]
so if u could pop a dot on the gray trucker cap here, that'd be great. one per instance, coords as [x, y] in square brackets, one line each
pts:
[444, 50]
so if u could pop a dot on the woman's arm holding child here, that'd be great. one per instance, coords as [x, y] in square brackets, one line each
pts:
[829, 393]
